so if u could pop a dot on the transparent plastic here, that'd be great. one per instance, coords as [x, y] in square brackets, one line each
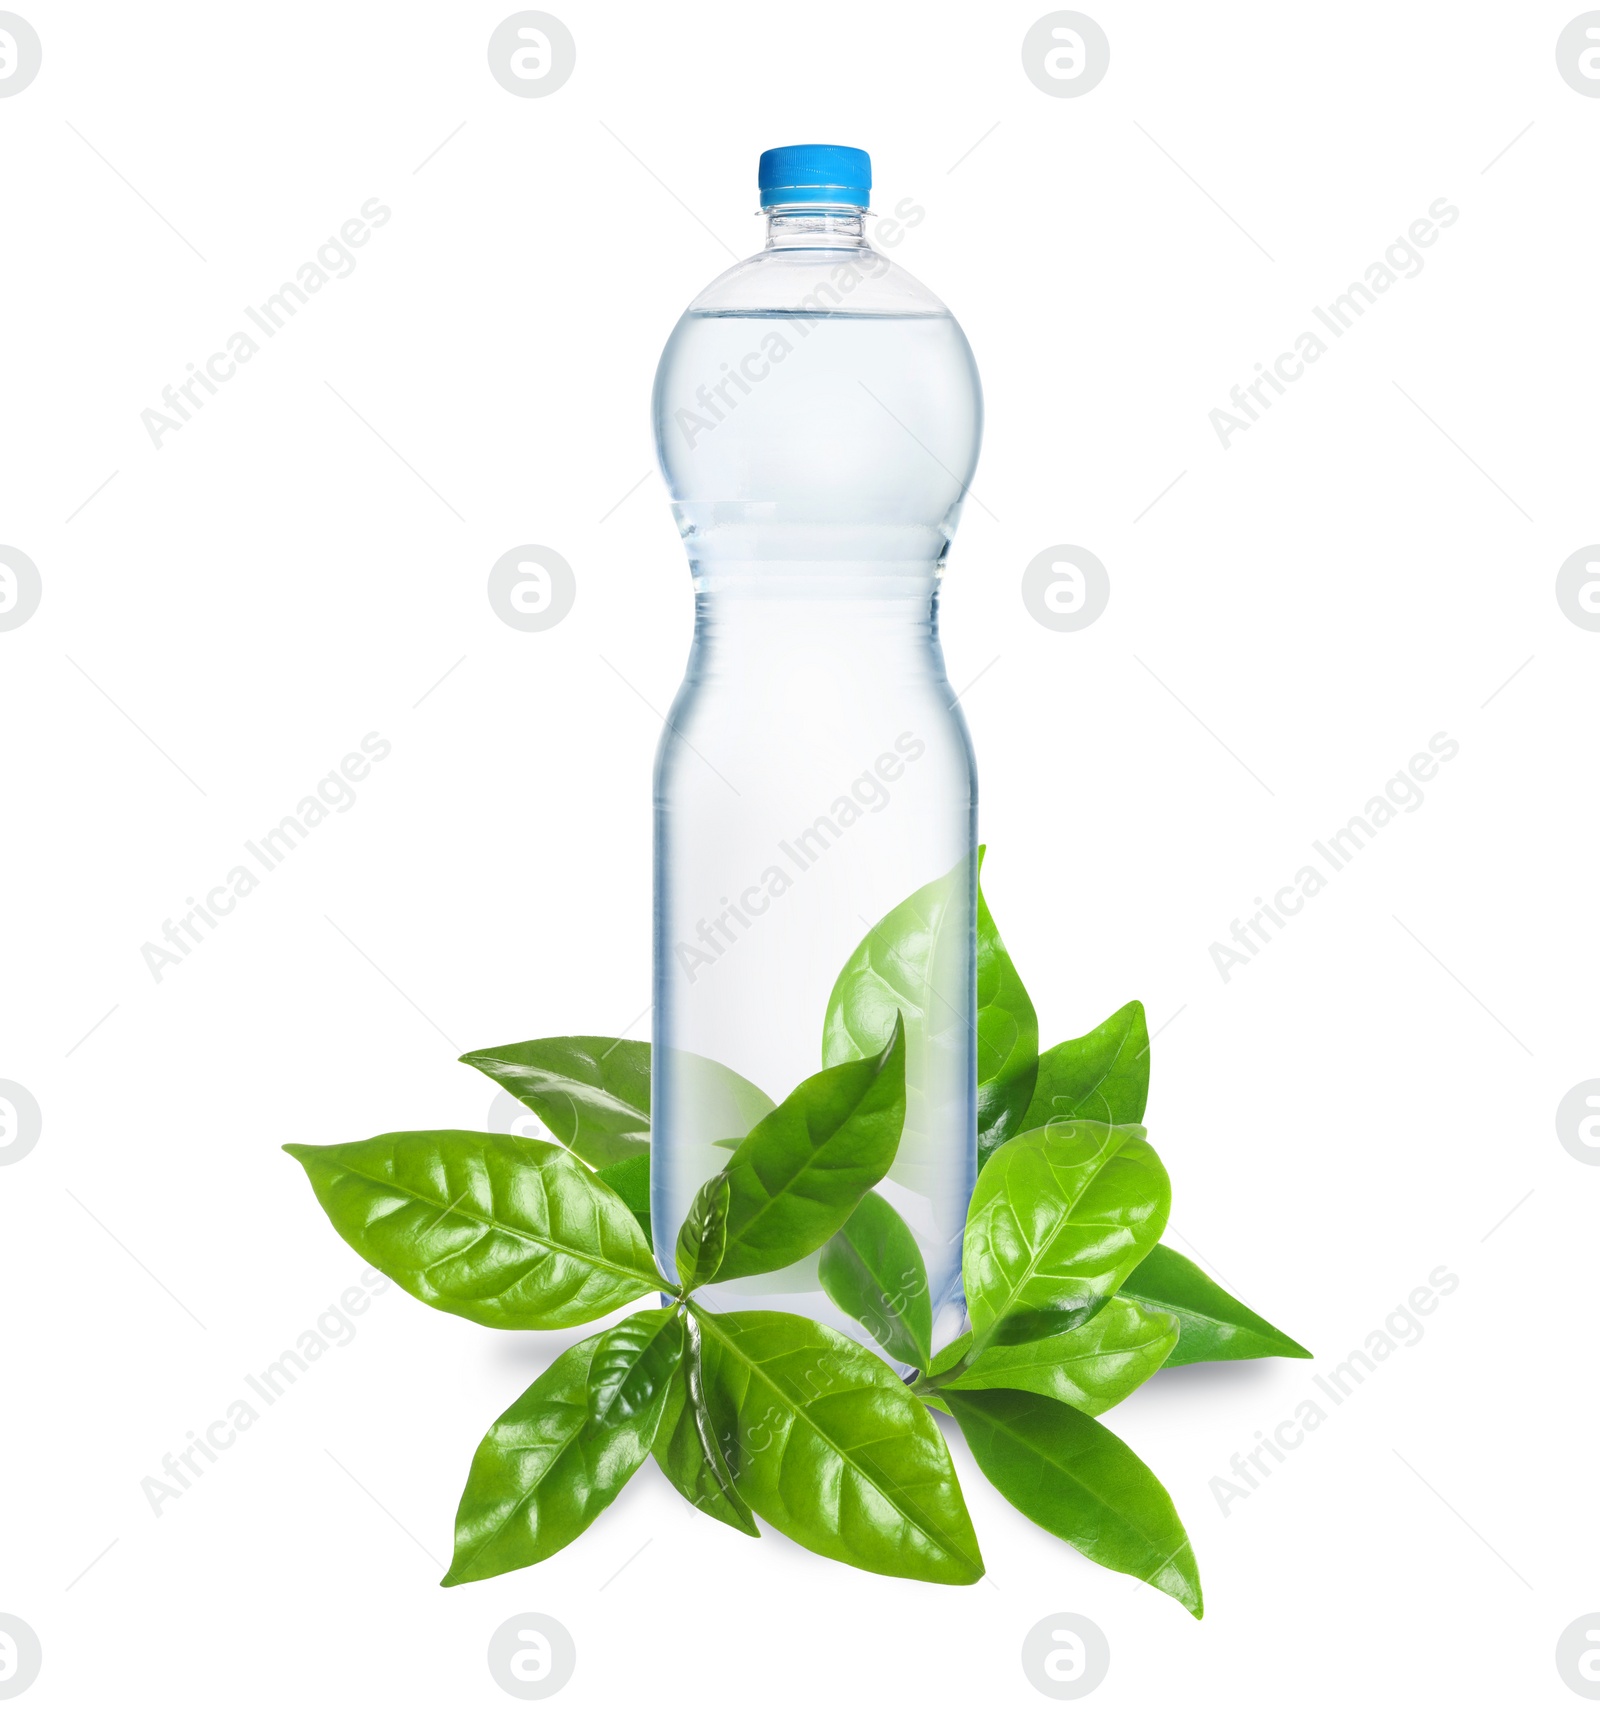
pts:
[817, 420]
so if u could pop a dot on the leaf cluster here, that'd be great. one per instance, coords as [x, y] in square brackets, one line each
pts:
[1072, 1300]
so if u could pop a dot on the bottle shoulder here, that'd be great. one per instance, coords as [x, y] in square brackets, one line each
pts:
[849, 280]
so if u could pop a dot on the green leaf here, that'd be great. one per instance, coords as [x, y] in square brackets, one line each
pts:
[687, 1448]
[915, 963]
[1093, 1367]
[872, 1269]
[1075, 1478]
[564, 1450]
[1008, 1038]
[798, 1175]
[502, 1230]
[630, 1179]
[1212, 1326]
[828, 1446]
[1103, 1075]
[703, 1236]
[1059, 1219]
[895, 970]
[593, 1091]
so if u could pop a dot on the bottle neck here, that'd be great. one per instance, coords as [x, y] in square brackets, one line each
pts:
[816, 226]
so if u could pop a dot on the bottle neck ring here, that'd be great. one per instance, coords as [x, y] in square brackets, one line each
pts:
[816, 226]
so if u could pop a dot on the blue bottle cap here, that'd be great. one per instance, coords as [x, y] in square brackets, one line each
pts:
[815, 172]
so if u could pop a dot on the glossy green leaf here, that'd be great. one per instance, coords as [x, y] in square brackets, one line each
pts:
[630, 1179]
[687, 1447]
[827, 1445]
[915, 963]
[1092, 1367]
[1103, 1075]
[502, 1230]
[872, 1269]
[898, 969]
[1075, 1478]
[703, 1236]
[1008, 1038]
[798, 1175]
[564, 1450]
[1212, 1326]
[593, 1091]
[1059, 1219]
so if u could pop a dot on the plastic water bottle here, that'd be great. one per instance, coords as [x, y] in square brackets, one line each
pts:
[817, 420]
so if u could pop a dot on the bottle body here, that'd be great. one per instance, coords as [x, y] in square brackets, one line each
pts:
[815, 771]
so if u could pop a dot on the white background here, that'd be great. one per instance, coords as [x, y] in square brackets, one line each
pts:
[1362, 1103]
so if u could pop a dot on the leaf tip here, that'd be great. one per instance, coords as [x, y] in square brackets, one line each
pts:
[1180, 1579]
[896, 1039]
